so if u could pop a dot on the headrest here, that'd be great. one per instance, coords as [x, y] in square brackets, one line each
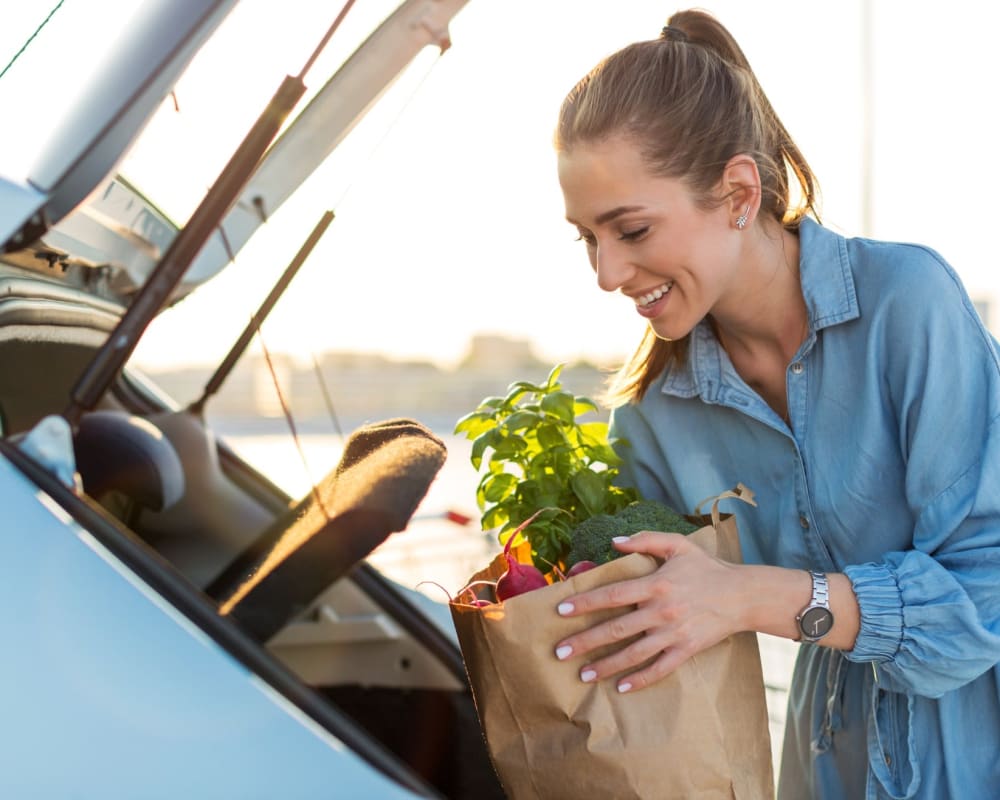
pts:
[116, 451]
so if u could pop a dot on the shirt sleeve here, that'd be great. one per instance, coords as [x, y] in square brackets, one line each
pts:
[931, 614]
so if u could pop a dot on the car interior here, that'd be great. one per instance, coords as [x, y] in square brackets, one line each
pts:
[280, 582]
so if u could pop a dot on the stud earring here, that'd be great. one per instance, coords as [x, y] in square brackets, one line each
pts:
[741, 220]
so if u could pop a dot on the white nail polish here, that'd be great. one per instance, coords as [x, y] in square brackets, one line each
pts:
[588, 675]
[620, 539]
[624, 686]
[564, 652]
[565, 608]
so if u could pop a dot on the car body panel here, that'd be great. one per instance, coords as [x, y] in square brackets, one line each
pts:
[116, 694]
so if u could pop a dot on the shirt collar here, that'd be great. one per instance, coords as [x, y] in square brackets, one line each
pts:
[828, 288]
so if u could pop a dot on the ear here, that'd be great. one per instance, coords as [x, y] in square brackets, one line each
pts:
[740, 187]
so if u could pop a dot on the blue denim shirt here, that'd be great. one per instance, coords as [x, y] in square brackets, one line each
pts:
[890, 473]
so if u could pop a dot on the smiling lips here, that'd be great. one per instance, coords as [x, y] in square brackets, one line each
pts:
[646, 300]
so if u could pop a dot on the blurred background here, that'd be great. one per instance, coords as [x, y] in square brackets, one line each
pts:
[449, 218]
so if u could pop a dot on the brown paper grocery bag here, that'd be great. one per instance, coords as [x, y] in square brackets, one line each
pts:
[702, 732]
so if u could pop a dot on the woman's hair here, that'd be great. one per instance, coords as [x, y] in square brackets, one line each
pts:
[690, 102]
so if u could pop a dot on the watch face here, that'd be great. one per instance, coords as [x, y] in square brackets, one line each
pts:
[816, 622]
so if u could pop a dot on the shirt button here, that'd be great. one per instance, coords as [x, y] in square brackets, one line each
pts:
[804, 522]
[797, 368]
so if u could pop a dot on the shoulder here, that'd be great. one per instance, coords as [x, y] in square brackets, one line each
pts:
[911, 287]
[896, 269]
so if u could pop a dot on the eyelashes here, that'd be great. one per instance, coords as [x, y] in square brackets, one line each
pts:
[625, 236]
[633, 236]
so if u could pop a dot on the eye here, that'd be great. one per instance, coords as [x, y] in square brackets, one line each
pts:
[633, 236]
[586, 236]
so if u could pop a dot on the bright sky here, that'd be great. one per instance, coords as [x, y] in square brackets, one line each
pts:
[449, 216]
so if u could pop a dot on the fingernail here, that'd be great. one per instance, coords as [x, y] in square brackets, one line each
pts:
[564, 651]
[620, 539]
[624, 686]
[565, 608]
[588, 675]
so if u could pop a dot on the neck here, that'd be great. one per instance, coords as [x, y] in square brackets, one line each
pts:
[765, 310]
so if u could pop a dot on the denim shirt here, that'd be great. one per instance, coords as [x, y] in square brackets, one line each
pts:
[889, 472]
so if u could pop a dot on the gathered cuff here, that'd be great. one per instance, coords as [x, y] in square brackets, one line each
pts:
[881, 606]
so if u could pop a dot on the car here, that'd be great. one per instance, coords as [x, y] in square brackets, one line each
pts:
[176, 624]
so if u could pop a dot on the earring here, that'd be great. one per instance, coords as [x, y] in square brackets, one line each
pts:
[741, 220]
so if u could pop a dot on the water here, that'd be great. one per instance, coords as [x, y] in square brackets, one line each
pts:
[436, 556]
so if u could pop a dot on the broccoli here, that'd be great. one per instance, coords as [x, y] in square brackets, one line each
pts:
[591, 539]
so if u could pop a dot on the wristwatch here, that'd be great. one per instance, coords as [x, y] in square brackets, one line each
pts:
[816, 619]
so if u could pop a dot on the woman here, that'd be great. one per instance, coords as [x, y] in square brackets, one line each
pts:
[849, 383]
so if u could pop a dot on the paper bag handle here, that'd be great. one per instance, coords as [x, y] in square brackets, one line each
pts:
[740, 492]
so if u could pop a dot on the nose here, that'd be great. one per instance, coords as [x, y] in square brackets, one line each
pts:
[611, 266]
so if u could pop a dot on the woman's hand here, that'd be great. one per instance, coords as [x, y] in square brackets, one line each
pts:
[688, 604]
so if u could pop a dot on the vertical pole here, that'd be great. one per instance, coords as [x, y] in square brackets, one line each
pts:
[867, 118]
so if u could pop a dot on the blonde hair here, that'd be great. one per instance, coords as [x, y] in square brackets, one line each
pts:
[691, 102]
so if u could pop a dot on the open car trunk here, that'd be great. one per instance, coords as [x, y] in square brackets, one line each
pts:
[128, 519]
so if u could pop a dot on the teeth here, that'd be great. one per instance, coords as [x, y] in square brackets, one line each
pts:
[655, 295]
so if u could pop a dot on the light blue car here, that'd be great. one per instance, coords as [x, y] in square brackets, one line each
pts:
[175, 626]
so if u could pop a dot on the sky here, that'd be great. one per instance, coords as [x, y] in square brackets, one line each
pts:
[449, 220]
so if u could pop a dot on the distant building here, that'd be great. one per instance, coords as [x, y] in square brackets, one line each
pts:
[499, 354]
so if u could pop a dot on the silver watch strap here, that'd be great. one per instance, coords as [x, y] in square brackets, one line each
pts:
[821, 590]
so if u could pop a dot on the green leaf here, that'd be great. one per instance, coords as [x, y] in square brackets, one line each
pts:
[605, 455]
[499, 486]
[583, 405]
[494, 518]
[590, 488]
[521, 420]
[525, 386]
[485, 440]
[595, 432]
[560, 405]
[552, 381]
[550, 435]
[509, 448]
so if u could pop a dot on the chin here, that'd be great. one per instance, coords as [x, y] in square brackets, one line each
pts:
[668, 331]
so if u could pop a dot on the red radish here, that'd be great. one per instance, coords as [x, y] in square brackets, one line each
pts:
[578, 567]
[519, 578]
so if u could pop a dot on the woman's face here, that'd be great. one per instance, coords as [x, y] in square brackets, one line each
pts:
[646, 238]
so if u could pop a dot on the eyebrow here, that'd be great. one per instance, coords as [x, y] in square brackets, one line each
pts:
[614, 213]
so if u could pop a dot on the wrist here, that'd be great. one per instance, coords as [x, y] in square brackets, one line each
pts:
[772, 597]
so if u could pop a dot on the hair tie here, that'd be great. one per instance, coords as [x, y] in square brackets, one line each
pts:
[673, 34]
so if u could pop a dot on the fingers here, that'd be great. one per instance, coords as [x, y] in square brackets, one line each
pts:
[660, 545]
[664, 661]
[612, 595]
[611, 631]
[626, 593]
[668, 661]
